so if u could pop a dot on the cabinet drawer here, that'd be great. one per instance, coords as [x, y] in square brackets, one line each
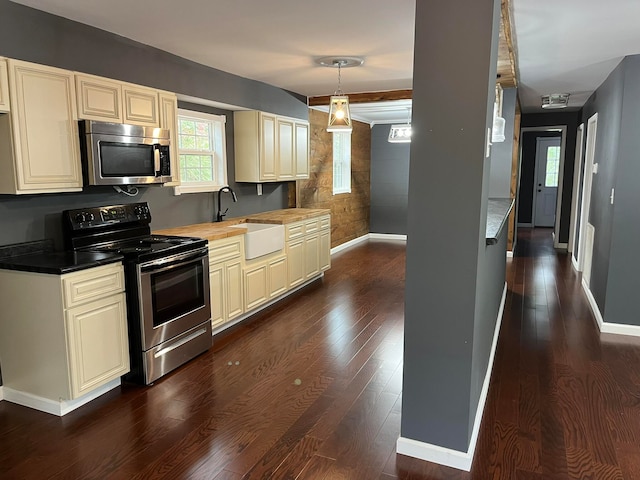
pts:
[295, 230]
[225, 250]
[325, 222]
[92, 284]
[311, 226]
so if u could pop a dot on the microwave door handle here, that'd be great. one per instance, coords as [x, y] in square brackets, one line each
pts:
[156, 159]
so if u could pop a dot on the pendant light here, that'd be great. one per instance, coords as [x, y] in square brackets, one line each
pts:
[401, 133]
[339, 113]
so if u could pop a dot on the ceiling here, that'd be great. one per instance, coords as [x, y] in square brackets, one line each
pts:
[561, 47]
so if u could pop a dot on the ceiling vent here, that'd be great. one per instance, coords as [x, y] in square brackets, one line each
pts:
[555, 100]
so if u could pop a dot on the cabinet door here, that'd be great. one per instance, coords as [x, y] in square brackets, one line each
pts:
[286, 150]
[99, 98]
[216, 288]
[140, 105]
[325, 250]
[255, 285]
[235, 303]
[302, 150]
[4, 87]
[277, 277]
[97, 343]
[45, 128]
[295, 267]
[311, 255]
[268, 170]
[169, 120]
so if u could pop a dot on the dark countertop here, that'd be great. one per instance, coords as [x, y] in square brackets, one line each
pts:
[498, 211]
[58, 263]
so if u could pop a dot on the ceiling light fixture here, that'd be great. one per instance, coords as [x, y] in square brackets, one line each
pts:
[401, 133]
[339, 114]
[555, 100]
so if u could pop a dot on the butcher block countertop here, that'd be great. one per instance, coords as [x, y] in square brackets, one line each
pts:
[220, 230]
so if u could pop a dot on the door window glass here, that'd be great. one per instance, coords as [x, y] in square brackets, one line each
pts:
[553, 165]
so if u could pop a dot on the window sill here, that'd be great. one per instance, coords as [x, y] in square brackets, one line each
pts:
[340, 192]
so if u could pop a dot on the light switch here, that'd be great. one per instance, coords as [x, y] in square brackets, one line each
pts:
[613, 191]
[595, 168]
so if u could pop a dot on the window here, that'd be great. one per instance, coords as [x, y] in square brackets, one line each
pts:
[202, 152]
[553, 165]
[341, 163]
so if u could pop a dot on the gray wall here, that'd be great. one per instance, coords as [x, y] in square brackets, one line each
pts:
[445, 353]
[389, 183]
[502, 152]
[571, 120]
[607, 102]
[616, 259]
[32, 35]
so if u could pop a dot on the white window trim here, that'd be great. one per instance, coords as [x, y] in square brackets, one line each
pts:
[202, 186]
[343, 189]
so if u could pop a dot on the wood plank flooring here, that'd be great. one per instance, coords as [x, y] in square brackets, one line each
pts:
[311, 389]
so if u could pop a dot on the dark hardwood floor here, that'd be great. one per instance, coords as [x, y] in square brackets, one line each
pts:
[311, 389]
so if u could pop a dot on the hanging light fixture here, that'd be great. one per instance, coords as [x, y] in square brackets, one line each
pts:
[401, 133]
[339, 113]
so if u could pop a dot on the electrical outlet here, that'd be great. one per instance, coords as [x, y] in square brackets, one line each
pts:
[259, 189]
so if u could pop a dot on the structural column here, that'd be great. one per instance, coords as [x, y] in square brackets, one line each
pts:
[446, 350]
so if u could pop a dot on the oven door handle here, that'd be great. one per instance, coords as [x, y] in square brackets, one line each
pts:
[163, 263]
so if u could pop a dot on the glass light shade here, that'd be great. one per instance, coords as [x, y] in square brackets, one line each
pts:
[497, 133]
[400, 133]
[339, 114]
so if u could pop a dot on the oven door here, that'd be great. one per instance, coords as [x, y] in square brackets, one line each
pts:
[174, 296]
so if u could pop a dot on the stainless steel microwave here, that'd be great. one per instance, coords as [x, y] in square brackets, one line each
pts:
[119, 154]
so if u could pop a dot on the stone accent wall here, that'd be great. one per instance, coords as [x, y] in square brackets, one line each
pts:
[349, 211]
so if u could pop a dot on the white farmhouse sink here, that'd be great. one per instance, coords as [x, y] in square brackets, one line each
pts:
[261, 239]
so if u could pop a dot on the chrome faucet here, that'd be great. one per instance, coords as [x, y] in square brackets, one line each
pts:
[221, 214]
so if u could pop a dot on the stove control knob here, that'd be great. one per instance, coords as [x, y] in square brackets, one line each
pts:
[81, 217]
[140, 210]
[91, 217]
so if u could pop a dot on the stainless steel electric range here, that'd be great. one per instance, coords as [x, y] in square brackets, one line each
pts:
[167, 284]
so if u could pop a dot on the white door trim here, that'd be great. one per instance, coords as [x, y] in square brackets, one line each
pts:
[562, 129]
[577, 167]
[587, 182]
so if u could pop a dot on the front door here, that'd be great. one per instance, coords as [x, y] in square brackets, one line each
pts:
[546, 186]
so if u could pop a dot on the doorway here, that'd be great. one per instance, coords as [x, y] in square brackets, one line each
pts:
[545, 192]
[547, 203]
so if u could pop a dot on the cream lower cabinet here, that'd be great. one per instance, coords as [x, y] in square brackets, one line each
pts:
[308, 249]
[225, 280]
[264, 278]
[71, 339]
[39, 147]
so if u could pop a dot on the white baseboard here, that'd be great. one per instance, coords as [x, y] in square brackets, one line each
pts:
[387, 236]
[509, 253]
[561, 246]
[605, 327]
[350, 243]
[447, 456]
[1, 394]
[574, 262]
[364, 238]
[59, 408]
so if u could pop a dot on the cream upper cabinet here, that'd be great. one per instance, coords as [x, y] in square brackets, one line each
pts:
[39, 147]
[140, 105]
[99, 98]
[267, 147]
[169, 121]
[302, 150]
[286, 149]
[69, 342]
[4, 87]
